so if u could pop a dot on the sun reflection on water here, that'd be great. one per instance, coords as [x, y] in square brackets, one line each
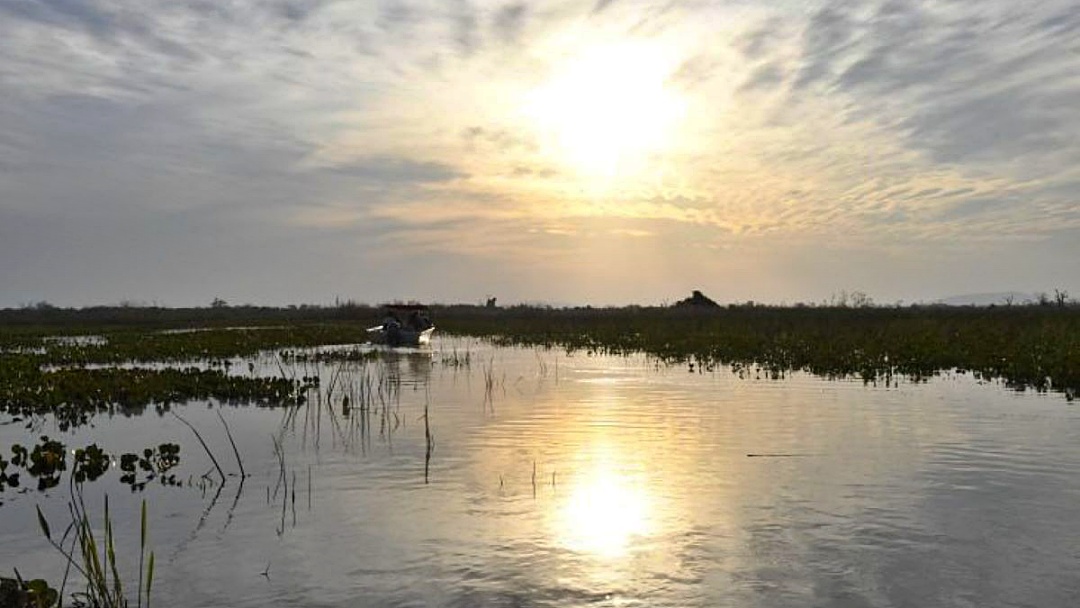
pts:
[606, 510]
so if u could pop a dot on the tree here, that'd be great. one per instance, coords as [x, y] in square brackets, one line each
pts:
[219, 303]
[1061, 297]
[859, 299]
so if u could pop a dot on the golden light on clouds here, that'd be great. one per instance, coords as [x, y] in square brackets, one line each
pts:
[606, 110]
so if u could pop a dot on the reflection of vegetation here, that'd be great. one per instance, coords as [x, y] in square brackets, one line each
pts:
[45, 462]
[1026, 346]
[146, 344]
[72, 395]
[1030, 346]
[152, 463]
[326, 356]
[91, 462]
[48, 459]
[40, 374]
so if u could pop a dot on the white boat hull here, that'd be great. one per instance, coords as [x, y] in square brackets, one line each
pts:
[400, 336]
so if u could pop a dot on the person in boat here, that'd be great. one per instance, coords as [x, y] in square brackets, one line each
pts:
[416, 322]
[391, 321]
[392, 328]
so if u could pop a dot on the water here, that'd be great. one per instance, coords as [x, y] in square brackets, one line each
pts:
[600, 481]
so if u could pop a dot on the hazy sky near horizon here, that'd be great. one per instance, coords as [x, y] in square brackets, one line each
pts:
[572, 152]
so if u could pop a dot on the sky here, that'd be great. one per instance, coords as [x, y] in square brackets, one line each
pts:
[608, 152]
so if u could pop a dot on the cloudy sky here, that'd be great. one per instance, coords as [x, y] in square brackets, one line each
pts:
[570, 152]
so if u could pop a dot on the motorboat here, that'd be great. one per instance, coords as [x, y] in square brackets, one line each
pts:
[403, 325]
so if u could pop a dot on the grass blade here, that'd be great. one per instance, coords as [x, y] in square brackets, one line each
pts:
[149, 578]
[44, 524]
[142, 551]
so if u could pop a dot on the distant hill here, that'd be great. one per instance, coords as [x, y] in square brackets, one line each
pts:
[1000, 298]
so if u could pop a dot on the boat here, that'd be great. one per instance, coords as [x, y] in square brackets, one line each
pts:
[403, 325]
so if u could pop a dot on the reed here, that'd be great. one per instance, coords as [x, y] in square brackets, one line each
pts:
[236, 452]
[203, 443]
[429, 440]
[96, 561]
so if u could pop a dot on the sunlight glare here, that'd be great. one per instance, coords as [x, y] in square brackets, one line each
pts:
[604, 513]
[608, 108]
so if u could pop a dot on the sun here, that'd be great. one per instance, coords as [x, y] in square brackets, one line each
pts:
[607, 109]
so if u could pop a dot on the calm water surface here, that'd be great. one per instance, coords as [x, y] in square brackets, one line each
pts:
[557, 480]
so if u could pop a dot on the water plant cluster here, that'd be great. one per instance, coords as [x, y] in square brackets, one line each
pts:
[74, 394]
[124, 370]
[1034, 347]
[178, 345]
[47, 461]
[19, 593]
[1023, 346]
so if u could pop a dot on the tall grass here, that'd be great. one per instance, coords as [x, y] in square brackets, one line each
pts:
[95, 560]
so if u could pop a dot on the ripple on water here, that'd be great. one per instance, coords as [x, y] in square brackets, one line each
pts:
[614, 483]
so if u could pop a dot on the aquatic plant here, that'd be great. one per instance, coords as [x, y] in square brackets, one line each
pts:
[1024, 347]
[91, 463]
[153, 463]
[47, 461]
[19, 593]
[73, 395]
[96, 562]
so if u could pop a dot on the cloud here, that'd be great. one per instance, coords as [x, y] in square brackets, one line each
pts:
[390, 170]
[501, 139]
[396, 15]
[694, 71]
[602, 5]
[977, 100]
[466, 24]
[925, 124]
[989, 85]
[509, 21]
[766, 76]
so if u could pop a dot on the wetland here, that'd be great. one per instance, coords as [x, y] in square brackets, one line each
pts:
[746, 456]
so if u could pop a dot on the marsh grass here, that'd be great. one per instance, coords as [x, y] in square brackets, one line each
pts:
[94, 558]
[1025, 347]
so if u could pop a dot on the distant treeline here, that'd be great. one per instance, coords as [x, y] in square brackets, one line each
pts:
[156, 316]
[222, 314]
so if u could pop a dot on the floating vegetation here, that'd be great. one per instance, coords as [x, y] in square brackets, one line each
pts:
[47, 461]
[92, 462]
[72, 395]
[36, 593]
[1034, 347]
[1023, 346]
[148, 344]
[153, 463]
